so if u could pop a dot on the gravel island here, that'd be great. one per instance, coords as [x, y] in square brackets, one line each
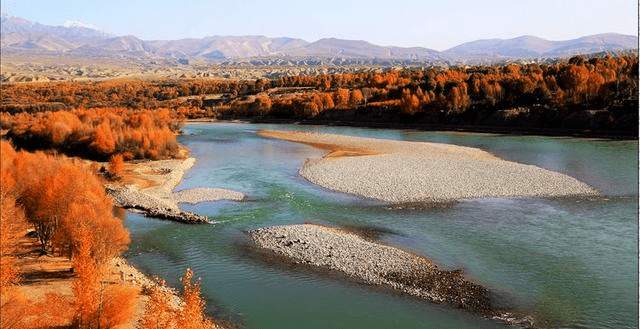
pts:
[419, 172]
[345, 251]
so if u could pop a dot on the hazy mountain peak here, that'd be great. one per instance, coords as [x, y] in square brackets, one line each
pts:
[69, 23]
[13, 20]
[532, 46]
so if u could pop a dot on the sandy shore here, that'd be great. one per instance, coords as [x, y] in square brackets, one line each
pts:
[419, 172]
[152, 191]
[346, 252]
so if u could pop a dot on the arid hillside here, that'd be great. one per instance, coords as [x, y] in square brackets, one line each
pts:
[23, 37]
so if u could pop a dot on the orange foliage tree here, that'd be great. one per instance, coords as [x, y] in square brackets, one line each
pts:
[98, 133]
[67, 204]
[87, 288]
[116, 164]
[158, 312]
[118, 306]
[342, 98]
[191, 316]
[12, 227]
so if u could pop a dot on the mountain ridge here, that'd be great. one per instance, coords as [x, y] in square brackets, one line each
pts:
[20, 35]
[535, 46]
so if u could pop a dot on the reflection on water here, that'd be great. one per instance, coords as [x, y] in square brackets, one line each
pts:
[570, 261]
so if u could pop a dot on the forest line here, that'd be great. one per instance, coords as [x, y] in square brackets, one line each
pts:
[594, 95]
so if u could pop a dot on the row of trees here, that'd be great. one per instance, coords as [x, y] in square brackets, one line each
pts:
[63, 201]
[98, 133]
[597, 82]
[576, 81]
[466, 94]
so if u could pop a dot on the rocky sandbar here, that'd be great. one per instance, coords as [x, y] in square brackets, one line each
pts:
[343, 251]
[159, 200]
[421, 172]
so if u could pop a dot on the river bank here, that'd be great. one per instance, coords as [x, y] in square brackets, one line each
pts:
[149, 186]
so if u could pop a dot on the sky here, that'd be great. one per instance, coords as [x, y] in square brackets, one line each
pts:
[438, 25]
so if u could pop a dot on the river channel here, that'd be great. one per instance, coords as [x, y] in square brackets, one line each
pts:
[572, 262]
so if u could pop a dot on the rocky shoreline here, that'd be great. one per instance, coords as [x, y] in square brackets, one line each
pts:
[159, 200]
[342, 251]
[129, 197]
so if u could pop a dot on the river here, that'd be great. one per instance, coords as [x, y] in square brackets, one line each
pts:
[571, 262]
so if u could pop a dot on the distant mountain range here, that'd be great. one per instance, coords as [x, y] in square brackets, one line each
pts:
[530, 46]
[21, 36]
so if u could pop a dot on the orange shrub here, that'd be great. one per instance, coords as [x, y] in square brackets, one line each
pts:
[98, 134]
[116, 164]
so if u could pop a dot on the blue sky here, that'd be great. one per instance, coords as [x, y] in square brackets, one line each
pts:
[432, 24]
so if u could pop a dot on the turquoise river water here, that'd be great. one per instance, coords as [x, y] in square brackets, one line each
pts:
[570, 262]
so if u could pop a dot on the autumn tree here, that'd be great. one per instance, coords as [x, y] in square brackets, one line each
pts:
[262, 104]
[117, 306]
[356, 97]
[342, 98]
[12, 219]
[38, 182]
[409, 102]
[192, 316]
[96, 304]
[327, 101]
[116, 164]
[86, 288]
[103, 140]
[12, 228]
[158, 312]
